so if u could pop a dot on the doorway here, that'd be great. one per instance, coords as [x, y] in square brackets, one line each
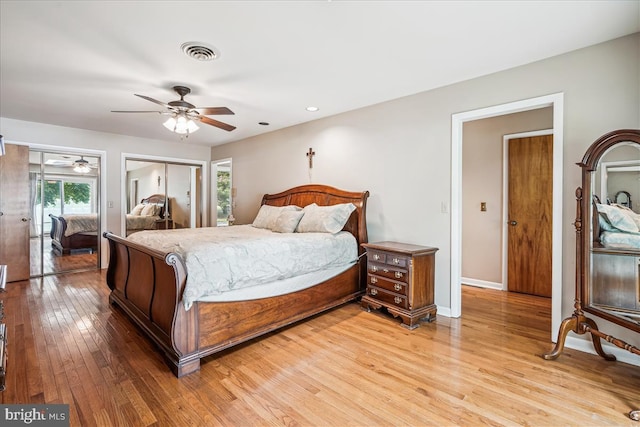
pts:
[554, 101]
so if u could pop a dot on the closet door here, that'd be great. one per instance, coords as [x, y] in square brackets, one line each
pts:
[14, 212]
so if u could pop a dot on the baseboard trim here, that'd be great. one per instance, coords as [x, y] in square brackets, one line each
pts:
[585, 345]
[481, 283]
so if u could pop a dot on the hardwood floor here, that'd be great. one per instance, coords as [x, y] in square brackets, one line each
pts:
[345, 367]
[53, 261]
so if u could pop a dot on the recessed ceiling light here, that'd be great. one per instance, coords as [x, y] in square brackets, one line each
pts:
[312, 109]
[200, 51]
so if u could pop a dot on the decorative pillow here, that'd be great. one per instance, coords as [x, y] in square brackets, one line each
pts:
[325, 219]
[137, 210]
[620, 219]
[287, 221]
[149, 210]
[267, 215]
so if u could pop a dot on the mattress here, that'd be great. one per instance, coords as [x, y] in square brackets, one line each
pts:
[223, 259]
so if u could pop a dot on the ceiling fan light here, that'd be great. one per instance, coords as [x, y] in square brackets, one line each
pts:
[170, 124]
[181, 125]
[81, 166]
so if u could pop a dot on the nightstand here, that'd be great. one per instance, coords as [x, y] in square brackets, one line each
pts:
[400, 277]
[164, 224]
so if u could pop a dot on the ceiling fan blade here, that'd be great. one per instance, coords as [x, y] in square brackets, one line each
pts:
[216, 123]
[120, 111]
[153, 100]
[214, 111]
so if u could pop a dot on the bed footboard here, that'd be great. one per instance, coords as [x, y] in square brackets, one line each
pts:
[147, 285]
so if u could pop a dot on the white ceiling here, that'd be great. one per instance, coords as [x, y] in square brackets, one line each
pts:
[70, 63]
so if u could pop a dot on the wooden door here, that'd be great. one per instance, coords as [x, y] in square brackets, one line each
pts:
[530, 208]
[14, 212]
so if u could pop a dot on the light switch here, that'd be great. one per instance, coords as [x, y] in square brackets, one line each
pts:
[483, 206]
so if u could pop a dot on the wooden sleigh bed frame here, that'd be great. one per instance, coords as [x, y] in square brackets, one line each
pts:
[148, 284]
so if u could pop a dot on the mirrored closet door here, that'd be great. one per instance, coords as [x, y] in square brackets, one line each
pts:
[65, 212]
[162, 195]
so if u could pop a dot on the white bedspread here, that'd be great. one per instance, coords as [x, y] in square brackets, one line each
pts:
[80, 223]
[219, 259]
[138, 222]
[613, 239]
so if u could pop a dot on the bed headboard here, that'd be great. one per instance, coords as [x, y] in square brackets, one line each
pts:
[323, 195]
[159, 200]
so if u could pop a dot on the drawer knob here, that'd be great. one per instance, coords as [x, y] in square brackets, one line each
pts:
[397, 287]
[376, 257]
[374, 280]
[398, 275]
[374, 292]
[386, 270]
[396, 261]
[397, 300]
[374, 268]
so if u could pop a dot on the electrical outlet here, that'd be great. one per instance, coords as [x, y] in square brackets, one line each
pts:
[110, 204]
[483, 206]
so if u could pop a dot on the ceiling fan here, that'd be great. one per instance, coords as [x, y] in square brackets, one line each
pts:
[82, 166]
[184, 114]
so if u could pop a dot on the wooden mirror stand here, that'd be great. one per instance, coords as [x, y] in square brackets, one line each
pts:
[607, 272]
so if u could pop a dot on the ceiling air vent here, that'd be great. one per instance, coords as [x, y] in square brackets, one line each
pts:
[199, 51]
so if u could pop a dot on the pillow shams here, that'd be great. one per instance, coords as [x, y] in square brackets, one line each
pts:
[149, 210]
[325, 219]
[137, 210]
[620, 219]
[287, 221]
[268, 215]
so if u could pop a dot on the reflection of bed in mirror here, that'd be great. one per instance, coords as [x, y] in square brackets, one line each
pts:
[80, 231]
[74, 232]
[149, 214]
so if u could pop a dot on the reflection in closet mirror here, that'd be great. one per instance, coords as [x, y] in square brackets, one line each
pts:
[607, 244]
[64, 195]
[162, 195]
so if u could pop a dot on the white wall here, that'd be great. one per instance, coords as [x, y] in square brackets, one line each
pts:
[114, 145]
[401, 150]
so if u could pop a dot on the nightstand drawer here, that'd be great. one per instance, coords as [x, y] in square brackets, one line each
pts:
[376, 256]
[387, 271]
[381, 282]
[387, 297]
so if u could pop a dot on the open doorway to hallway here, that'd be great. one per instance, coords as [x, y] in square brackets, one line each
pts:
[555, 102]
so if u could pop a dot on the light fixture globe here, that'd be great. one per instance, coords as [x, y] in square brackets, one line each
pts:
[180, 124]
[81, 166]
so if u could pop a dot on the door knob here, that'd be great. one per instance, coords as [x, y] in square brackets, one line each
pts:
[513, 223]
[25, 219]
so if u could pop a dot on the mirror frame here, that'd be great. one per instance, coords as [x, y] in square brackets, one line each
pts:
[587, 217]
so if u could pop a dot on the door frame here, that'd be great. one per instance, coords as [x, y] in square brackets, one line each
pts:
[505, 198]
[556, 101]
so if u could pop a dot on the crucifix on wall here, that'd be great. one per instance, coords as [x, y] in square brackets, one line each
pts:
[310, 155]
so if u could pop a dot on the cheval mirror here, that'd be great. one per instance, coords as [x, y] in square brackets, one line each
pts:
[607, 243]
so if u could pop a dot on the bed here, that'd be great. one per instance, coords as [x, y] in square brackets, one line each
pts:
[80, 231]
[151, 294]
[616, 227]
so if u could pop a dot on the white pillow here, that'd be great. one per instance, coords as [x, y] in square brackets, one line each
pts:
[137, 209]
[325, 219]
[268, 215]
[149, 210]
[287, 221]
[621, 219]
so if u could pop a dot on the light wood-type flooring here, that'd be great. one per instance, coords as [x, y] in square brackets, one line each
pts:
[346, 367]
